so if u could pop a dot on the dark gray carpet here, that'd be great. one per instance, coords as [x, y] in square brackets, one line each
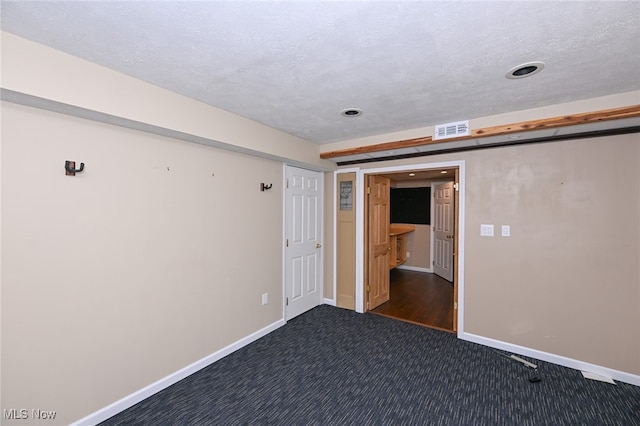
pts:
[334, 367]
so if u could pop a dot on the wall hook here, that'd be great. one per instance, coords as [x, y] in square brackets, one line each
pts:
[70, 168]
[264, 187]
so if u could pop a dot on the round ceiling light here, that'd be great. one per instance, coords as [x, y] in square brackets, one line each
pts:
[351, 112]
[525, 70]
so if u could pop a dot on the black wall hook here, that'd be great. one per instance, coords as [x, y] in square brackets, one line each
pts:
[70, 168]
[264, 187]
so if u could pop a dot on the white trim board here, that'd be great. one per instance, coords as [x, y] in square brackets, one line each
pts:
[283, 253]
[552, 358]
[144, 393]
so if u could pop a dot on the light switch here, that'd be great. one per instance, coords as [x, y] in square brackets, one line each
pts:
[486, 230]
[506, 231]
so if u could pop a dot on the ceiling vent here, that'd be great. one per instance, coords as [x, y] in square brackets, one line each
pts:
[452, 130]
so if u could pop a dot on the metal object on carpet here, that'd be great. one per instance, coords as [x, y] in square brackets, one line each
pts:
[535, 378]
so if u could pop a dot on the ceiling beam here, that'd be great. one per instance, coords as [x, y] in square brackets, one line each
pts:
[524, 126]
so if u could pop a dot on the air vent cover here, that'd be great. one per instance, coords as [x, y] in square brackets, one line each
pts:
[451, 130]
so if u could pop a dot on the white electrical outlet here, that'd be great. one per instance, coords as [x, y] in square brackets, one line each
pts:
[408, 254]
[506, 230]
[265, 298]
[486, 230]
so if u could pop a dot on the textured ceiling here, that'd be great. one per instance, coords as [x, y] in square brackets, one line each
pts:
[295, 65]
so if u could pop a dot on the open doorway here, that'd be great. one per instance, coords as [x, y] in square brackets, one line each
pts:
[415, 293]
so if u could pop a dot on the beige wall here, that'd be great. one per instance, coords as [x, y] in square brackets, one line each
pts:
[419, 248]
[136, 268]
[567, 281]
[132, 270]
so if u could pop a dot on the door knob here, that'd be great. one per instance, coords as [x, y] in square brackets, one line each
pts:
[318, 245]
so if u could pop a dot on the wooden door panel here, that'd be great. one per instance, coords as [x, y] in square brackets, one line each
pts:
[379, 222]
[346, 240]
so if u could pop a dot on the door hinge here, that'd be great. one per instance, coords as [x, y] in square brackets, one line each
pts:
[455, 305]
[287, 182]
[368, 190]
[287, 242]
[287, 301]
[368, 288]
[456, 186]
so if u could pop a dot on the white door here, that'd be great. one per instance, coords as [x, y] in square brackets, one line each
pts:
[303, 236]
[443, 230]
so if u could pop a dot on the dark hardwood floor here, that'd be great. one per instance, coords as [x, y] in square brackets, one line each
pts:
[419, 297]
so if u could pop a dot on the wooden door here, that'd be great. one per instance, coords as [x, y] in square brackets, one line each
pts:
[378, 188]
[443, 230]
[303, 234]
[346, 241]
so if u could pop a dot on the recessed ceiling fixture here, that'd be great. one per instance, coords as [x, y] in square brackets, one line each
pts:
[412, 174]
[525, 70]
[444, 172]
[351, 112]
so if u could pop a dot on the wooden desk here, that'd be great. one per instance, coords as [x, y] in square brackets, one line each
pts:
[398, 243]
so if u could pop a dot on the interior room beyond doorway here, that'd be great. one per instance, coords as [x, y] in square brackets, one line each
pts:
[416, 293]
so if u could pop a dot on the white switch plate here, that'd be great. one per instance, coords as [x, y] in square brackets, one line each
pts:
[486, 230]
[506, 231]
[408, 254]
[265, 298]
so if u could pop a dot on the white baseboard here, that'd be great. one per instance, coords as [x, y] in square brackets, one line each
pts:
[330, 302]
[415, 268]
[132, 399]
[555, 359]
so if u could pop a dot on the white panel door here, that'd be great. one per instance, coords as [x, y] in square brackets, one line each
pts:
[443, 230]
[303, 236]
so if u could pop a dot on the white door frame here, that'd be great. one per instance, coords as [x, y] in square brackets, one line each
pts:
[459, 225]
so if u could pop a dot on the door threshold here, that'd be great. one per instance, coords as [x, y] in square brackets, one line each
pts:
[412, 322]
